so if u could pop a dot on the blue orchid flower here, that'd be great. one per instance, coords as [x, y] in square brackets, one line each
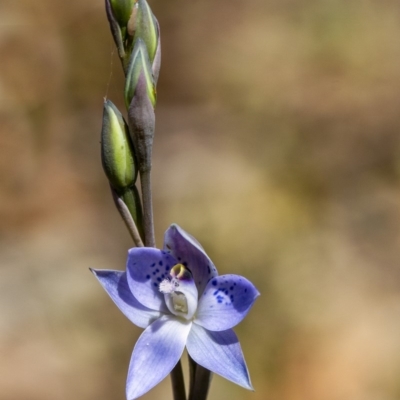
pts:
[178, 297]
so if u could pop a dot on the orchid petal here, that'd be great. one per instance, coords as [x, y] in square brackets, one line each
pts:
[156, 353]
[225, 302]
[188, 251]
[116, 285]
[219, 352]
[146, 268]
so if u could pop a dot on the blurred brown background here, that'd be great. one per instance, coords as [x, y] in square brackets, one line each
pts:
[277, 146]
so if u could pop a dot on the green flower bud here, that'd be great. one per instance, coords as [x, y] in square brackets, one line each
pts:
[122, 11]
[117, 153]
[142, 122]
[139, 64]
[116, 31]
[143, 25]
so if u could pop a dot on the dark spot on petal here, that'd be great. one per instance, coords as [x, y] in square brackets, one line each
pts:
[216, 292]
[159, 279]
[147, 276]
[185, 263]
[155, 284]
[160, 263]
[208, 268]
[157, 270]
[231, 288]
[245, 290]
[214, 283]
[153, 265]
[179, 259]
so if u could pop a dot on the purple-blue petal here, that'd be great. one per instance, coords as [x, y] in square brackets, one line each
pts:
[225, 302]
[116, 285]
[219, 352]
[147, 268]
[188, 251]
[156, 353]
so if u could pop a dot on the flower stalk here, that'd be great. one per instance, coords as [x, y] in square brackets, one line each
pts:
[136, 33]
[200, 379]
[178, 383]
[179, 303]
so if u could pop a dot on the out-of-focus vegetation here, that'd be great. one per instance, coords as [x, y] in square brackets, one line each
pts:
[277, 146]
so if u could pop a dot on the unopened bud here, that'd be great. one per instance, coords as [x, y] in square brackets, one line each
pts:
[143, 24]
[116, 31]
[157, 58]
[139, 64]
[117, 152]
[122, 10]
[142, 123]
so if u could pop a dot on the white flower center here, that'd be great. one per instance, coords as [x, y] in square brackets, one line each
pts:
[179, 302]
[170, 286]
[180, 292]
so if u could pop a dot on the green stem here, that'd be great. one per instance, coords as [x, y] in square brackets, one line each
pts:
[127, 218]
[192, 374]
[148, 225]
[200, 379]
[178, 383]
